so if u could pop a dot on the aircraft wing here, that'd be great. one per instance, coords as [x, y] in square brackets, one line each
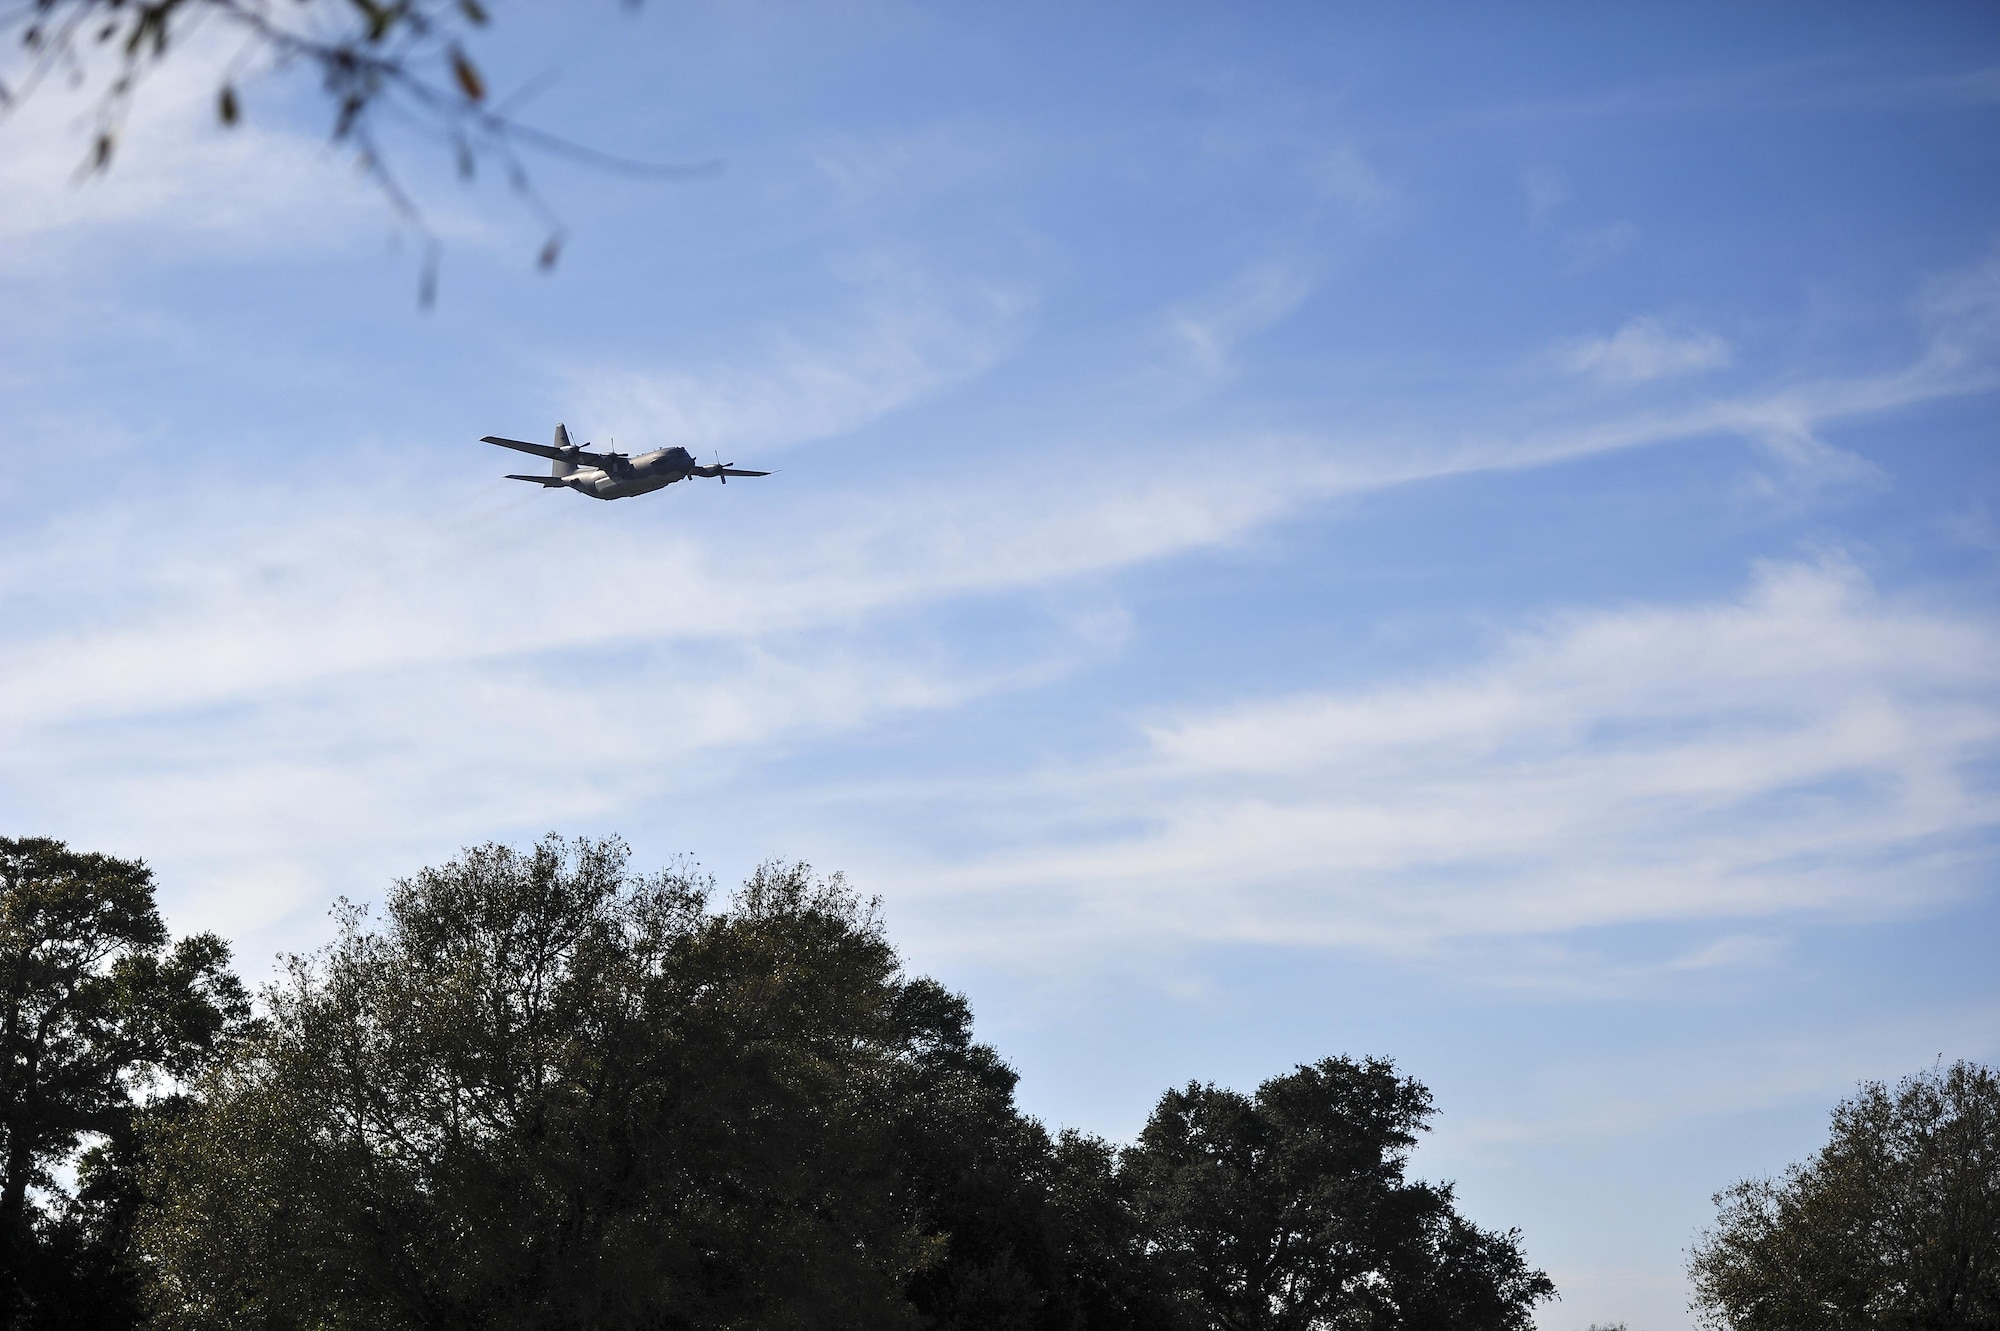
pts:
[550, 451]
[726, 471]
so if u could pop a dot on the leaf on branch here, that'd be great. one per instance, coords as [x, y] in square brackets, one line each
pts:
[225, 105]
[551, 251]
[380, 18]
[468, 78]
[474, 12]
[151, 25]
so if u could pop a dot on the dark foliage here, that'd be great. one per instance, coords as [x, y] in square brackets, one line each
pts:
[97, 1010]
[1113, 1281]
[549, 1094]
[1289, 1211]
[1893, 1226]
[546, 1093]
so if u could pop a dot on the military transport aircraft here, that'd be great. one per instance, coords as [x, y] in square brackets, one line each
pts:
[613, 475]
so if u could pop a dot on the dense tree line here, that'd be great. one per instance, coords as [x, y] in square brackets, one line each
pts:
[545, 1092]
[542, 1091]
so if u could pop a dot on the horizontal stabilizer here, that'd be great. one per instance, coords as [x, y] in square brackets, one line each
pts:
[541, 480]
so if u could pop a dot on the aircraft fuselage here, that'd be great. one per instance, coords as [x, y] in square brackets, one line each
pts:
[635, 476]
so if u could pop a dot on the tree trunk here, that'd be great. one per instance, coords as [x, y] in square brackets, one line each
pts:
[13, 1213]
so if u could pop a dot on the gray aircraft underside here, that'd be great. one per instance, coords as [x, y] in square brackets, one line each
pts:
[613, 475]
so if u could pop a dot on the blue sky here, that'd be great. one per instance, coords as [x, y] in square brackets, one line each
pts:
[1461, 533]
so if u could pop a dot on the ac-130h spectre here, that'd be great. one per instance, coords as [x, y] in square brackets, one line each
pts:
[613, 475]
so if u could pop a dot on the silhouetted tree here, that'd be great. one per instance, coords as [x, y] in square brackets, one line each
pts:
[975, 1172]
[1894, 1225]
[551, 1094]
[1112, 1279]
[97, 1012]
[546, 1093]
[1289, 1211]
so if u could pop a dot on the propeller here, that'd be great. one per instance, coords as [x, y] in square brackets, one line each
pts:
[719, 469]
[614, 461]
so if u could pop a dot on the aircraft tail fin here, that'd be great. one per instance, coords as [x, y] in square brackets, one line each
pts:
[561, 467]
[543, 481]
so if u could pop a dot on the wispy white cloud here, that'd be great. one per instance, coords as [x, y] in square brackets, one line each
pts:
[266, 795]
[253, 601]
[1961, 310]
[894, 167]
[1209, 331]
[1345, 177]
[1591, 248]
[905, 340]
[1641, 350]
[1807, 749]
[1544, 188]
